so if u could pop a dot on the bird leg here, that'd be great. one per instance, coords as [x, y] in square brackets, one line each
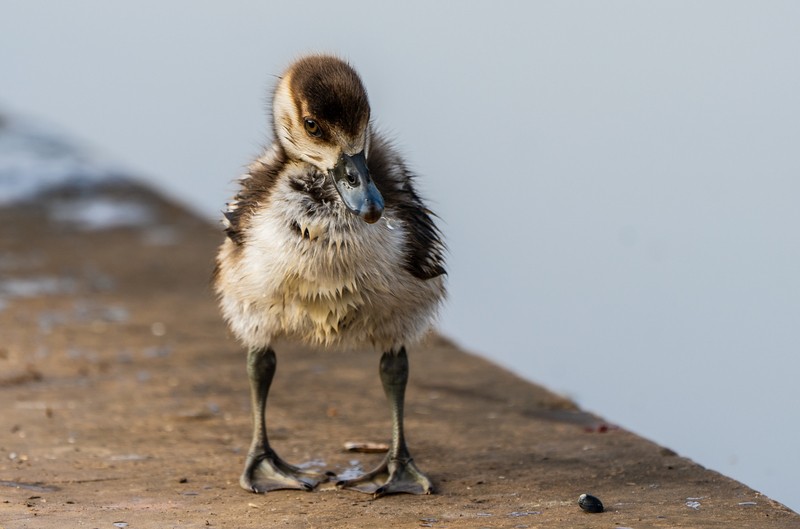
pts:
[397, 473]
[264, 470]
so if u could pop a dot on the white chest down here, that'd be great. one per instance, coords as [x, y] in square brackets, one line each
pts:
[328, 279]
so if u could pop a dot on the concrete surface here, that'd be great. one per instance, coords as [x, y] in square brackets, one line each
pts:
[125, 404]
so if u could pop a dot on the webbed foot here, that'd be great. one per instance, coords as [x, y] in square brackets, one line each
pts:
[266, 471]
[393, 476]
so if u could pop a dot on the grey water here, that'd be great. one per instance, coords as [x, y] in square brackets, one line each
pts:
[618, 181]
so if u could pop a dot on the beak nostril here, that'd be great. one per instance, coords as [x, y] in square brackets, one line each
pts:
[350, 177]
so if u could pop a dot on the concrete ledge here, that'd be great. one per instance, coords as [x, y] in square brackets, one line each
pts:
[125, 402]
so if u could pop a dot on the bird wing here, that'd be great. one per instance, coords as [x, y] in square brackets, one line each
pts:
[424, 252]
[255, 188]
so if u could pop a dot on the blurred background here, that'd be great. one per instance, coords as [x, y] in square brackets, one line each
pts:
[618, 181]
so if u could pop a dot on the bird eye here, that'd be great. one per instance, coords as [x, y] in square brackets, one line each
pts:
[313, 128]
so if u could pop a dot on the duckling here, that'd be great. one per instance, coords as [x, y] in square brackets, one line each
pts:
[306, 259]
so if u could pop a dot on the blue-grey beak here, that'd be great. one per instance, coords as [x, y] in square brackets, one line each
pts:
[351, 178]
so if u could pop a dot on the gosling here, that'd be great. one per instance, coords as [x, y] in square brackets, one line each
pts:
[328, 244]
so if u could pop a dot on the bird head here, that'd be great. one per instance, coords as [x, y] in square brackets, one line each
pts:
[321, 117]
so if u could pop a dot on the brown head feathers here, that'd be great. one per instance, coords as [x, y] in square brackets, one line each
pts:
[329, 91]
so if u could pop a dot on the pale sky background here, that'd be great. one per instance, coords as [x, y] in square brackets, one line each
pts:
[618, 181]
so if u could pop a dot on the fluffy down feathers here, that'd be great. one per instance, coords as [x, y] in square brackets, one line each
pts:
[297, 265]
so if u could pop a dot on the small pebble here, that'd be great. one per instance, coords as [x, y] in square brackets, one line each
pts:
[589, 503]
